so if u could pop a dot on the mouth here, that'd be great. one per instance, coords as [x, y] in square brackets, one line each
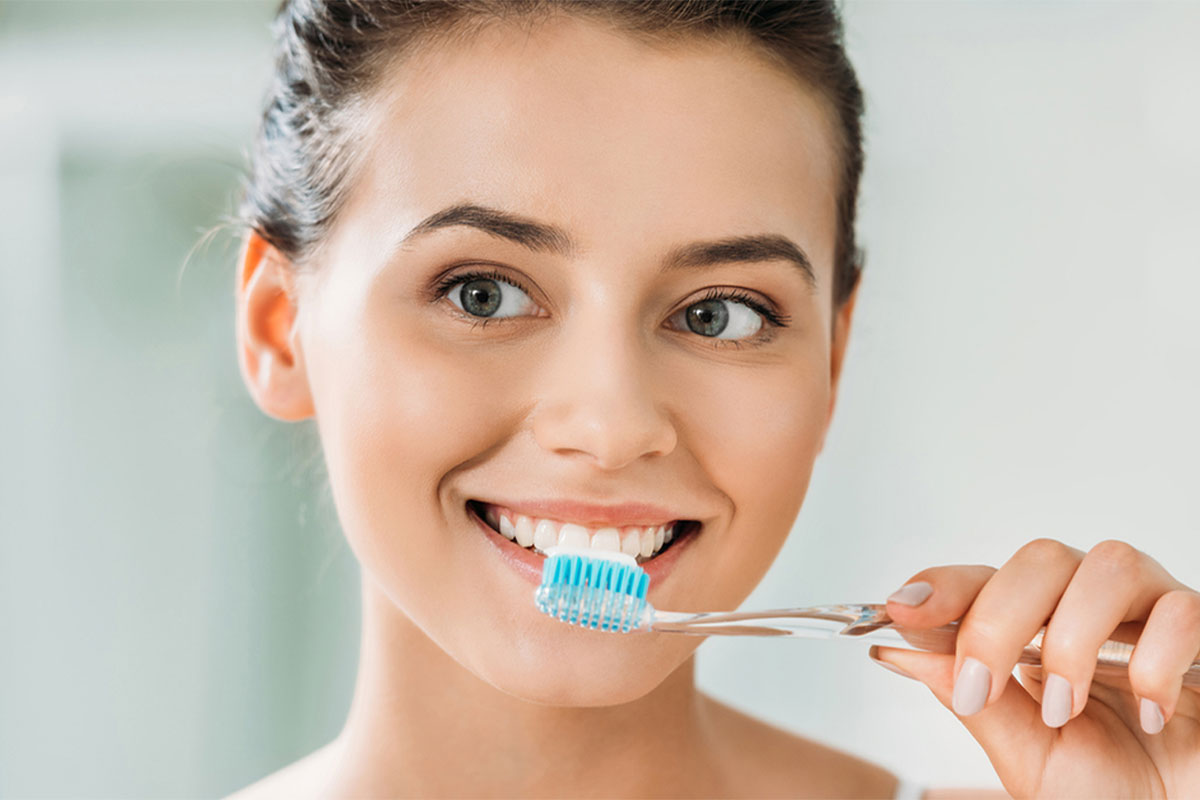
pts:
[537, 534]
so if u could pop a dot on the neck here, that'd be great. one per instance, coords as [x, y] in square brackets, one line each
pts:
[421, 724]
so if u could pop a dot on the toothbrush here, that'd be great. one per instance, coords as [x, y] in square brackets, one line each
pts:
[606, 591]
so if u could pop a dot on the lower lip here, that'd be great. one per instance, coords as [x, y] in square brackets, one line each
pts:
[529, 564]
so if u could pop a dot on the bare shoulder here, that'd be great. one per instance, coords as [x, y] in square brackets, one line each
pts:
[301, 779]
[768, 761]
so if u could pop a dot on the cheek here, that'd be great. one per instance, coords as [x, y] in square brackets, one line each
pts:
[396, 414]
[760, 430]
[757, 440]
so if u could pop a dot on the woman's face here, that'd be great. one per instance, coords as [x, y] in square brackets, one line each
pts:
[567, 382]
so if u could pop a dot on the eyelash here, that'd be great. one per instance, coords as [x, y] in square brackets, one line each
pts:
[447, 283]
[773, 319]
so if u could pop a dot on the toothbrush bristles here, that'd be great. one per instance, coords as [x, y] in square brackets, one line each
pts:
[600, 592]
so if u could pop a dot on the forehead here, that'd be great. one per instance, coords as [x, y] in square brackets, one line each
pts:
[624, 143]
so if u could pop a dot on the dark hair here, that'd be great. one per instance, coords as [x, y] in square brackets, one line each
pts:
[332, 54]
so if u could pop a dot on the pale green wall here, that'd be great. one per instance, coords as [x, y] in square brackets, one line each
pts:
[178, 608]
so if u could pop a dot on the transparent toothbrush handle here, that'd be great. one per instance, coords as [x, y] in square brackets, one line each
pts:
[870, 623]
[1112, 658]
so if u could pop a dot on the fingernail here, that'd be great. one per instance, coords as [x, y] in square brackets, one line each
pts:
[892, 667]
[912, 594]
[971, 687]
[1152, 716]
[1056, 701]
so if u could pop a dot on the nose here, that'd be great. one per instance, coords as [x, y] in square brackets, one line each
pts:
[597, 399]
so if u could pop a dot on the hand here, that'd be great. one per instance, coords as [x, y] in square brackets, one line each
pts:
[1065, 730]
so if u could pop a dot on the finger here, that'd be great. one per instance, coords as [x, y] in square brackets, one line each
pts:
[937, 595]
[1031, 678]
[1008, 612]
[1168, 645]
[1009, 730]
[1114, 583]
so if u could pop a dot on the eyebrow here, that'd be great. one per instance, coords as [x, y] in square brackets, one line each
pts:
[544, 237]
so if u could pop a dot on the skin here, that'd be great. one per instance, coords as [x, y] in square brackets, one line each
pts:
[1107, 746]
[594, 391]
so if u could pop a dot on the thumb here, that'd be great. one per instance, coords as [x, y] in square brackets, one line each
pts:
[1010, 729]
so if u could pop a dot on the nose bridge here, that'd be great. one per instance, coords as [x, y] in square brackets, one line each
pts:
[597, 393]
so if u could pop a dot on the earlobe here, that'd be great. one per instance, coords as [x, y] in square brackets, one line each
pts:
[269, 353]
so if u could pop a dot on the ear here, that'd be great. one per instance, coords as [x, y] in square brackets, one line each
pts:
[841, 335]
[269, 354]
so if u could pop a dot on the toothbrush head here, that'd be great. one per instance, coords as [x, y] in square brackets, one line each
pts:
[596, 589]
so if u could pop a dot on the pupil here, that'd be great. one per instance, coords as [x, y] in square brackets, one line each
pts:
[708, 318]
[480, 297]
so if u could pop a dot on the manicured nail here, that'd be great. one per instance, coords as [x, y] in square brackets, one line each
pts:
[912, 594]
[1057, 700]
[1152, 716]
[873, 653]
[971, 687]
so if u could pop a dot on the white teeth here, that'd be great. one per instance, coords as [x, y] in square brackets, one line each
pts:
[506, 526]
[544, 535]
[572, 535]
[631, 542]
[524, 530]
[607, 539]
[647, 537]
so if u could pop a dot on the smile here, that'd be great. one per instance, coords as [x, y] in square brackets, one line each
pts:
[643, 542]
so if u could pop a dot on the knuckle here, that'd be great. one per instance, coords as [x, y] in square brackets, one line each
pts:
[1115, 556]
[1182, 607]
[1046, 551]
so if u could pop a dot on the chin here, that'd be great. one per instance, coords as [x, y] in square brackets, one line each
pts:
[580, 668]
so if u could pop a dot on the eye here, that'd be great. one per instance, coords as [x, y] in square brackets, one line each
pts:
[731, 315]
[721, 319]
[488, 296]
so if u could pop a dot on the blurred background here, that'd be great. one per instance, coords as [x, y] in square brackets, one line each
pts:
[178, 611]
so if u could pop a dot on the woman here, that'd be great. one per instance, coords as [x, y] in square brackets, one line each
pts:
[535, 266]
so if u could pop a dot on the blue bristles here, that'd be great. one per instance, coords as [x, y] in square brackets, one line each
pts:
[603, 591]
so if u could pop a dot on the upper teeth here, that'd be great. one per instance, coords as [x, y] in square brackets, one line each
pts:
[543, 534]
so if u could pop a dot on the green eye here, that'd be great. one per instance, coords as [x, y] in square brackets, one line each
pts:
[708, 318]
[480, 297]
[489, 296]
[723, 318]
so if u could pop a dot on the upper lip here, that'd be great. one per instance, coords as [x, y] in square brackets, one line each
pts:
[590, 514]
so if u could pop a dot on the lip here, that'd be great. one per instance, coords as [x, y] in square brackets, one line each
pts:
[594, 515]
[528, 564]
